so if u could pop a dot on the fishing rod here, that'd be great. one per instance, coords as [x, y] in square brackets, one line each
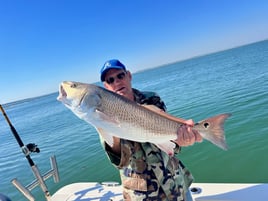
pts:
[27, 150]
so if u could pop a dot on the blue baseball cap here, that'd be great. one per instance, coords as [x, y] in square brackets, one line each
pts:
[111, 64]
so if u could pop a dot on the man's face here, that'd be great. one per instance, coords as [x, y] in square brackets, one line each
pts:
[119, 81]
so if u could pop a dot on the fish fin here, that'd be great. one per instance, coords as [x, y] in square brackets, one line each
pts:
[157, 110]
[106, 118]
[108, 138]
[167, 147]
[212, 129]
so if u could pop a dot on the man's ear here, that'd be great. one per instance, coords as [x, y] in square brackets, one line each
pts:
[130, 75]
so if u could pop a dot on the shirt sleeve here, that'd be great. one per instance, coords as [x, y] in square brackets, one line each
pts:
[152, 98]
[114, 158]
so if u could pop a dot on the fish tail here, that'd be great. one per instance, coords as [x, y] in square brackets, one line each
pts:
[212, 129]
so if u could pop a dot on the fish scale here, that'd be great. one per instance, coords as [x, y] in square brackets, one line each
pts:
[154, 123]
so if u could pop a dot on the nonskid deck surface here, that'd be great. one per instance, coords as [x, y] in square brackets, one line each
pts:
[88, 191]
[200, 192]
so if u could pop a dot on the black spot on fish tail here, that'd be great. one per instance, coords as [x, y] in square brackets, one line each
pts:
[206, 124]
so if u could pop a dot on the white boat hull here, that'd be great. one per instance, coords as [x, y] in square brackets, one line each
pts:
[200, 192]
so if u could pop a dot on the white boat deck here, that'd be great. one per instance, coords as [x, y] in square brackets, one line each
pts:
[230, 192]
[200, 192]
[88, 191]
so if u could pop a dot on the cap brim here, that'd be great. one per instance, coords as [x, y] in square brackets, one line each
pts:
[109, 68]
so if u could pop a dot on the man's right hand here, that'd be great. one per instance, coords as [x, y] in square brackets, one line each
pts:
[187, 136]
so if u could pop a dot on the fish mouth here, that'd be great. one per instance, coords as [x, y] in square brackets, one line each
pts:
[67, 100]
[62, 93]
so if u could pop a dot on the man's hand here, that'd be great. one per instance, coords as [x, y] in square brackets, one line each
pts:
[186, 135]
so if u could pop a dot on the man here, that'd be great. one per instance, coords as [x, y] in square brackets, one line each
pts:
[147, 173]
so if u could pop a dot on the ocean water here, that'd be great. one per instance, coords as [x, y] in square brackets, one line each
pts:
[233, 81]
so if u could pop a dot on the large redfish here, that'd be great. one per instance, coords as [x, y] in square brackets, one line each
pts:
[114, 115]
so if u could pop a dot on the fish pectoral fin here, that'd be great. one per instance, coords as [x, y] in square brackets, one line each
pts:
[102, 116]
[167, 147]
[108, 138]
[157, 110]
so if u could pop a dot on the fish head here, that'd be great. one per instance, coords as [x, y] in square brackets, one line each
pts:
[81, 98]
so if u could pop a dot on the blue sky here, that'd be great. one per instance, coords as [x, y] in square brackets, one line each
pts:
[43, 42]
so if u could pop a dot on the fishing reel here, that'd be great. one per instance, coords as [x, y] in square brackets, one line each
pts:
[33, 147]
[30, 148]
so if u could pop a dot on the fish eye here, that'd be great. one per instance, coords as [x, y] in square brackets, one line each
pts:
[73, 85]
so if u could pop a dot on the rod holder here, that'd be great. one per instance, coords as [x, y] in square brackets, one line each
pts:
[40, 180]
